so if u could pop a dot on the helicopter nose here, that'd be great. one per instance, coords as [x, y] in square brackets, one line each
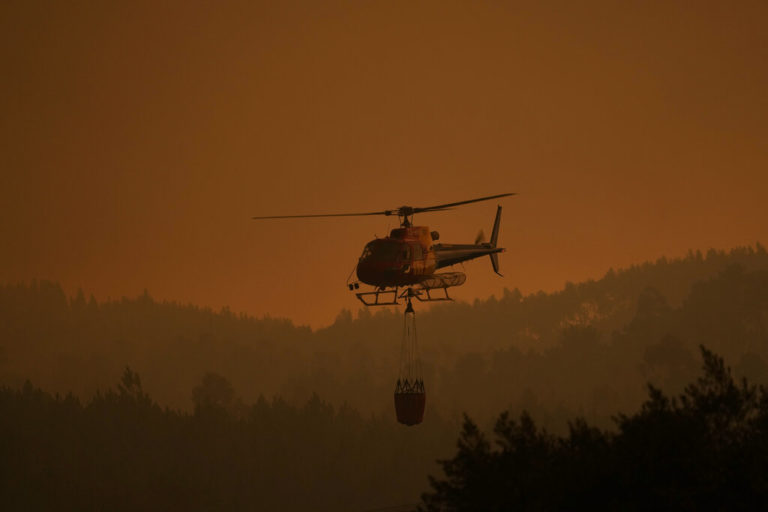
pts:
[376, 274]
[365, 272]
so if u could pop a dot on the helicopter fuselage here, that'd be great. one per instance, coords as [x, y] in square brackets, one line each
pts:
[409, 256]
[401, 259]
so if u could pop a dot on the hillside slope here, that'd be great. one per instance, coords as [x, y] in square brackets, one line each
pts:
[586, 348]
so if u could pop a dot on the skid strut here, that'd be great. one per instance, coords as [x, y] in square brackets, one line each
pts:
[379, 297]
[391, 297]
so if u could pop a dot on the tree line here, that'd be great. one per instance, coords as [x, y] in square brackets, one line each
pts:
[258, 410]
[706, 449]
[586, 349]
[120, 450]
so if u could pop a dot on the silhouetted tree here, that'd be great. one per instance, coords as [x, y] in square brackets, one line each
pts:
[214, 391]
[705, 450]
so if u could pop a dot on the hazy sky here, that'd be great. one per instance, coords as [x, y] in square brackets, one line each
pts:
[137, 140]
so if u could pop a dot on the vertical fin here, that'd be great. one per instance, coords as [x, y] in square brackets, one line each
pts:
[496, 223]
[494, 239]
[495, 263]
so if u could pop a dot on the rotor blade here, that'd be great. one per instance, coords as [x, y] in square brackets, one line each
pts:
[448, 205]
[422, 210]
[386, 212]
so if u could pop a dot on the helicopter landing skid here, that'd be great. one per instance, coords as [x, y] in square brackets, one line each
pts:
[376, 295]
[423, 294]
[391, 297]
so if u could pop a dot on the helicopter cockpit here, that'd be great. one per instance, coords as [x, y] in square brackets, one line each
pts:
[384, 250]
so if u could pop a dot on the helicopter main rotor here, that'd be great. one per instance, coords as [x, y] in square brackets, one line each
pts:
[404, 213]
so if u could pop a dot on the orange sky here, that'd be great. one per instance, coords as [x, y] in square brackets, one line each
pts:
[137, 140]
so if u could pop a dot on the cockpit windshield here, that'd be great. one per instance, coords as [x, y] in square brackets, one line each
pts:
[380, 250]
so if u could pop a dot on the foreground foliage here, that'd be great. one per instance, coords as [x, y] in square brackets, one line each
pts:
[121, 451]
[704, 450]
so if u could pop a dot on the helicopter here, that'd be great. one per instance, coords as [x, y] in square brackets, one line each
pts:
[404, 264]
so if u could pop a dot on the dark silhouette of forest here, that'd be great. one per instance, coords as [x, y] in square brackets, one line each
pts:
[704, 450]
[121, 451]
[588, 349]
[232, 411]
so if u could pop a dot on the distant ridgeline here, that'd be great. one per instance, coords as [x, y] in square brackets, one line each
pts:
[587, 349]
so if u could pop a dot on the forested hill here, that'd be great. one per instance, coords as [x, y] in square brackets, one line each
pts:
[586, 349]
